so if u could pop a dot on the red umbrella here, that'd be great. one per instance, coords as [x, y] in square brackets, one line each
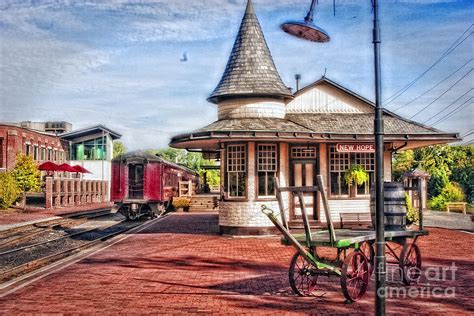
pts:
[81, 169]
[48, 166]
[66, 167]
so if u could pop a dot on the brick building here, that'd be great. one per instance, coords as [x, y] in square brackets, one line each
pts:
[42, 146]
[263, 130]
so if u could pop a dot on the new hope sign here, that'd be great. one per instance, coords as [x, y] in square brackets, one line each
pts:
[359, 148]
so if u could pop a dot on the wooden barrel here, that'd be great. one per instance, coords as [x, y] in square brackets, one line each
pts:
[395, 210]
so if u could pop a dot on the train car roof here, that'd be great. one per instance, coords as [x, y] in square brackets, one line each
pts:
[144, 156]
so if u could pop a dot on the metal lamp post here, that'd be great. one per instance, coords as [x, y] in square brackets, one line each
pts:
[308, 31]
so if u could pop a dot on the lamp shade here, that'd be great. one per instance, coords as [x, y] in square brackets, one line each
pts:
[305, 30]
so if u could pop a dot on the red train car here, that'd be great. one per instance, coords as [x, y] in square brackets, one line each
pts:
[144, 184]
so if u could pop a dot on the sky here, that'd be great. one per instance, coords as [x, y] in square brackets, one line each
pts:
[117, 62]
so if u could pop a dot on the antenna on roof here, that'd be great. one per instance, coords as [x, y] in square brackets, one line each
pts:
[297, 78]
[325, 69]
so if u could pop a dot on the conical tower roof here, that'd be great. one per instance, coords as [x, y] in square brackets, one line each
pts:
[250, 71]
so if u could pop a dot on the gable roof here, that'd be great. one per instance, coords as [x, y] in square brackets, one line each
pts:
[250, 70]
[89, 131]
[387, 113]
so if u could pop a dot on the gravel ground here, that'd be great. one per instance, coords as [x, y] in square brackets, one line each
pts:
[104, 225]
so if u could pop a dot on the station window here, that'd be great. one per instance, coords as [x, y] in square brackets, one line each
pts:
[236, 170]
[27, 149]
[266, 169]
[43, 153]
[50, 154]
[35, 152]
[339, 162]
[55, 155]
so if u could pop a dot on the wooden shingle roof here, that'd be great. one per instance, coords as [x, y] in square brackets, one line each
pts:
[250, 70]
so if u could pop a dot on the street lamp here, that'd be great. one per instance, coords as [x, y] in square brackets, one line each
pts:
[308, 31]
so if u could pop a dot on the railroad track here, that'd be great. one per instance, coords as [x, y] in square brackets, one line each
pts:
[17, 235]
[20, 260]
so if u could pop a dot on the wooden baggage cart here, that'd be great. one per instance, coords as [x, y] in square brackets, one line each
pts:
[354, 263]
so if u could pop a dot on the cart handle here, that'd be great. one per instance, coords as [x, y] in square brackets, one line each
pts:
[266, 210]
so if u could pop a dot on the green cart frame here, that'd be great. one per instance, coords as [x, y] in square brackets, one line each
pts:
[354, 262]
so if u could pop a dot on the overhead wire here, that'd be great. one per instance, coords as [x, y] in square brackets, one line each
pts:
[446, 91]
[448, 106]
[444, 55]
[436, 85]
[459, 108]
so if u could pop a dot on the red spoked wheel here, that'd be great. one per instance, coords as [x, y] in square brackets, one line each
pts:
[303, 276]
[355, 276]
[410, 264]
[368, 250]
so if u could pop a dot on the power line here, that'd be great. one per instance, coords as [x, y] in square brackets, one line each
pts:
[445, 54]
[465, 75]
[459, 108]
[447, 107]
[453, 73]
[468, 133]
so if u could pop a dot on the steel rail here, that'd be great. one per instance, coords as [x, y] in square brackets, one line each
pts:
[38, 263]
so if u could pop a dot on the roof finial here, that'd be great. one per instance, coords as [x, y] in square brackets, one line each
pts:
[249, 9]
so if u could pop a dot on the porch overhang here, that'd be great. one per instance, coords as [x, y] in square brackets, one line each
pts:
[210, 141]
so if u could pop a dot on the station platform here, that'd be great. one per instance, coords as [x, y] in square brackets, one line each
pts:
[181, 265]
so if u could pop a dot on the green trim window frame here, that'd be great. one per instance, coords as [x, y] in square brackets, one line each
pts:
[43, 153]
[93, 149]
[236, 171]
[267, 167]
[339, 162]
[55, 156]
[50, 154]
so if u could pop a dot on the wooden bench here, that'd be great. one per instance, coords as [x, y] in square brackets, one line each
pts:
[461, 206]
[359, 219]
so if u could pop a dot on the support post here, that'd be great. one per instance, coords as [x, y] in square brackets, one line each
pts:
[380, 260]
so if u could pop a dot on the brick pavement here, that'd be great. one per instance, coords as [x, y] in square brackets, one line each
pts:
[181, 265]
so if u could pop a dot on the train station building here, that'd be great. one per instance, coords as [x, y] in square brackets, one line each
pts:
[263, 130]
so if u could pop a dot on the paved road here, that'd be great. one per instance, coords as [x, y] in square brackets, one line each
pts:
[182, 266]
[448, 220]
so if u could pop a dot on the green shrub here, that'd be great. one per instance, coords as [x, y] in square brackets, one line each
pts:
[9, 191]
[181, 202]
[452, 192]
[438, 181]
[412, 213]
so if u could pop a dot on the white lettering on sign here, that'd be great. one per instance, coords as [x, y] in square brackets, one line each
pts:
[360, 148]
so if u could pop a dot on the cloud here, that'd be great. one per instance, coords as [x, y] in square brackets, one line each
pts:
[117, 62]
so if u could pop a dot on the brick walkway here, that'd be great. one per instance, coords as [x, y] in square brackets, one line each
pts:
[180, 265]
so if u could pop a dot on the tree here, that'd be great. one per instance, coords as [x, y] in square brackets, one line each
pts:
[9, 191]
[26, 175]
[446, 164]
[402, 162]
[119, 149]
[193, 161]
